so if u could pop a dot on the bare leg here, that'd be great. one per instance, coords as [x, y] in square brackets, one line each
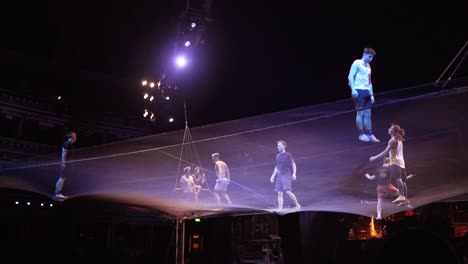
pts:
[59, 185]
[196, 191]
[379, 208]
[367, 120]
[293, 197]
[226, 196]
[359, 121]
[218, 199]
[400, 187]
[280, 201]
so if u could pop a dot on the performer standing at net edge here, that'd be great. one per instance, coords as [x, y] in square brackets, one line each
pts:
[66, 148]
[285, 172]
[362, 91]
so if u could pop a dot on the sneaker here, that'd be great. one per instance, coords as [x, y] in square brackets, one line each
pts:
[59, 196]
[298, 206]
[363, 137]
[399, 199]
[403, 203]
[372, 138]
[378, 217]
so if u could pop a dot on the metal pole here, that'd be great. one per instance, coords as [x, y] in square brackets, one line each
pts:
[177, 242]
[183, 242]
[438, 79]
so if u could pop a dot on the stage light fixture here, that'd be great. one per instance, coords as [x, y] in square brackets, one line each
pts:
[144, 82]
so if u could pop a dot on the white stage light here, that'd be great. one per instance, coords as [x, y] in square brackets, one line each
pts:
[181, 61]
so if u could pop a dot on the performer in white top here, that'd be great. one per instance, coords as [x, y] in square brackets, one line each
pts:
[186, 181]
[394, 150]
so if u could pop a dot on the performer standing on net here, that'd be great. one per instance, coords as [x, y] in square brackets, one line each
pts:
[66, 148]
[285, 172]
[223, 179]
[359, 79]
[394, 150]
[384, 187]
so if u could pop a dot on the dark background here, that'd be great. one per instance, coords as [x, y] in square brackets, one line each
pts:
[256, 57]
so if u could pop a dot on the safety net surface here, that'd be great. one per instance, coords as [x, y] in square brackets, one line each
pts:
[323, 140]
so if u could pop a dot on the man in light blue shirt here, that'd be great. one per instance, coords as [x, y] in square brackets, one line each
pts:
[359, 79]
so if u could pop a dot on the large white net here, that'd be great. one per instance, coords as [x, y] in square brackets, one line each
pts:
[331, 161]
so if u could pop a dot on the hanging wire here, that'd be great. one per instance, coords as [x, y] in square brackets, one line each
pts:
[186, 144]
[450, 64]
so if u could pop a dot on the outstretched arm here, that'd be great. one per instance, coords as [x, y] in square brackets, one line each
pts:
[370, 177]
[383, 153]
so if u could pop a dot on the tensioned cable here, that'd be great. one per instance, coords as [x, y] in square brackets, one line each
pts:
[395, 101]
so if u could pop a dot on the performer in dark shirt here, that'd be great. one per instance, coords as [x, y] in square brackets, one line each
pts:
[285, 172]
[66, 148]
[384, 187]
